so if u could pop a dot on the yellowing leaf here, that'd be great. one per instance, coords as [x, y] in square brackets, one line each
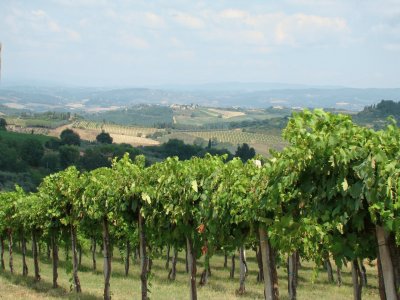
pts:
[340, 227]
[194, 186]
[345, 185]
[146, 198]
[373, 163]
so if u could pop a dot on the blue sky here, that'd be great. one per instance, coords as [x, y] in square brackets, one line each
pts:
[141, 43]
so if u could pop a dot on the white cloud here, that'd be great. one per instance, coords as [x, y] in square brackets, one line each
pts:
[28, 25]
[234, 14]
[53, 26]
[188, 21]
[265, 30]
[175, 42]
[236, 37]
[153, 20]
[39, 13]
[302, 29]
[73, 35]
[133, 41]
[252, 36]
[230, 36]
[147, 19]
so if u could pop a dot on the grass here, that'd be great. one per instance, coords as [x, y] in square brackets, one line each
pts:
[20, 137]
[36, 122]
[15, 286]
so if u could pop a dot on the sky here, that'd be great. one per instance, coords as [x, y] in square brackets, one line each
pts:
[146, 43]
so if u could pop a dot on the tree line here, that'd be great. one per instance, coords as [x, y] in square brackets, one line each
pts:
[26, 159]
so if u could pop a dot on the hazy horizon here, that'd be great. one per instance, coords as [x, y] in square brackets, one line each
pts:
[122, 43]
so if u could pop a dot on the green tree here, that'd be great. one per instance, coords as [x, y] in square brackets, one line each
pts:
[51, 161]
[3, 124]
[32, 216]
[8, 221]
[64, 192]
[93, 158]
[176, 147]
[177, 188]
[104, 138]
[102, 204]
[69, 155]
[32, 151]
[209, 145]
[198, 141]
[8, 157]
[129, 182]
[245, 152]
[69, 137]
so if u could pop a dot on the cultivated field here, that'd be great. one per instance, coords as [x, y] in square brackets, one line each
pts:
[114, 128]
[262, 143]
[201, 116]
[136, 136]
[226, 114]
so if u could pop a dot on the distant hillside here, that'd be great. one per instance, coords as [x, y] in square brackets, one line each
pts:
[376, 115]
[249, 96]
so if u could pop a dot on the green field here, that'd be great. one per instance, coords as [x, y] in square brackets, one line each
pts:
[203, 116]
[220, 286]
[20, 137]
[262, 143]
[138, 115]
[190, 123]
[35, 122]
[134, 131]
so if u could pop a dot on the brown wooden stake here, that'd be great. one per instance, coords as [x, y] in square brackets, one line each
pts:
[75, 277]
[107, 259]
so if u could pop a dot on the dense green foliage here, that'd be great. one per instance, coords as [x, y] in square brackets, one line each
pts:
[26, 158]
[327, 194]
[69, 137]
[376, 115]
[245, 152]
[3, 124]
[104, 138]
[21, 160]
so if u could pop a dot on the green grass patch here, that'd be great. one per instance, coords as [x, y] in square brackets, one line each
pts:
[20, 137]
[312, 285]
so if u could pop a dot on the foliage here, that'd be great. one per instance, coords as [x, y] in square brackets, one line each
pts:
[3, 124]
[32, 151]
[375, 115]
[322, 195]
[245, 152]
[104, 138]
[51, 161]
[64, 192]
[8, 157]
[69, 155]
[69, 137]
